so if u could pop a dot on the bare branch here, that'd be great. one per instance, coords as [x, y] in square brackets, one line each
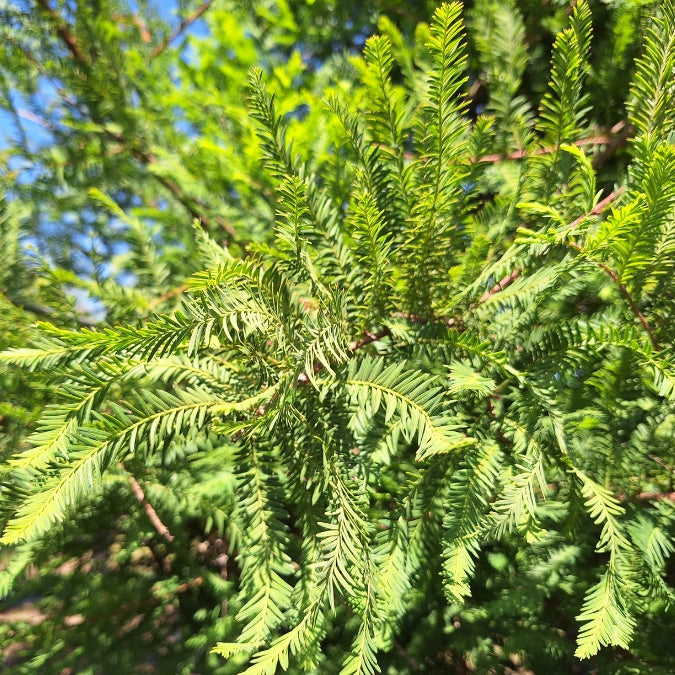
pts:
[656, 496]
[156, 521]
[184, 25]
[618, 136]
[622, 132]
[35, 119]
[599, 207]
[500, 285]
[369, 337]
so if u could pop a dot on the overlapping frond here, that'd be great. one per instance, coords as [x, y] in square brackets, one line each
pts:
[562, 108]
[92, 448]
[443, 132]
[323, 215]
[20, 557]
[388, 122]
[605, 615]
[468, 500]
[499, 34]
[412, 396]
[448, 343]
[652, 104]
[517, 504]
[266, 566]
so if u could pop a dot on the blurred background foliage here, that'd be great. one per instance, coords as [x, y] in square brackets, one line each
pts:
[121, 124]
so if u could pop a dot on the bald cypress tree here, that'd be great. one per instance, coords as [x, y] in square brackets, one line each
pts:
[401, 394]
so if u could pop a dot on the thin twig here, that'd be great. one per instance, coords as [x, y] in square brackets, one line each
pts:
[598, 208]
[411, 661]
[512, 276]
[42, 310]
[621, 131]
[611, 141]
[415, 318]
[145, 157]
[636, 310]
[35, 119]
[184, 25]
[618, 136]
[626, 294]
[369, 337]
[500, 285]
[148, 158]
[660, 462]
[156, 521]
[168, 295]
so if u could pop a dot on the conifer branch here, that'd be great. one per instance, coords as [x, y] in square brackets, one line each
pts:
[35, 119]
[65, 34]
[343, 404]
[512, 276]
[633, 305]
[599, 207]
[618, 137]
[192, 206]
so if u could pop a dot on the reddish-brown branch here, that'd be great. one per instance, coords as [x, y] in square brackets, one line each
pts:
[598, 208]
[156, 521]
[500, 285]
[414, 318]
[369, 337]
[184, 25]
[510, 278]
[626, 294]
[411, 662]
[168, 295]
[656, 496]
[178, 193]
[620, 134]
[622, 497]
[63, 31]
[35, 119]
